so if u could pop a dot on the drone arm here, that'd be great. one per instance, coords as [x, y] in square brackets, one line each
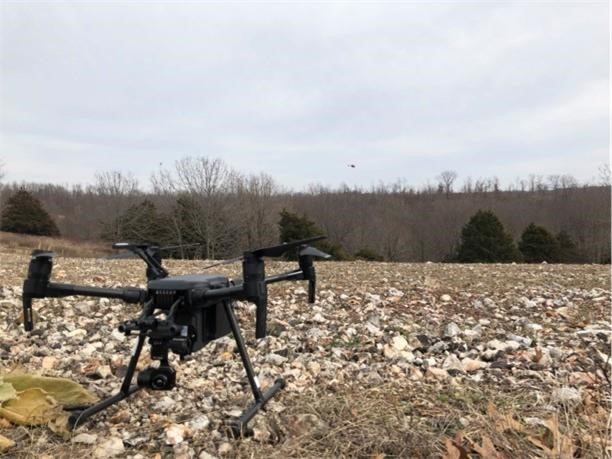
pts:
[129, 294]
[288, 276]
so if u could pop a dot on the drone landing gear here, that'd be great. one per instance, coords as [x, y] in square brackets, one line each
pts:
[238, 426]
[79, 416]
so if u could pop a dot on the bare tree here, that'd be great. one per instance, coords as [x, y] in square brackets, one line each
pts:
[117, 191]
[604, 174]
[446, 180]
[207, 181]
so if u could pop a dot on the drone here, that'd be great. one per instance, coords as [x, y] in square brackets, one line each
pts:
[181, 314]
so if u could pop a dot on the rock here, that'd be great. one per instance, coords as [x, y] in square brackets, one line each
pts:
[165, 404]
[491, 355]
[470, 365]
[451, 330]
[111, 447]
[176, 433]
[534, 328]
[436, 373]
[390, 352]
[183, 451]
[199, 423]
[319, 318]
[472, 334]
[446, 298]
[399, 343]
[567, 396]
[48, 363]
[206, 455]
[225, 448]
[523, 341]
[452, 364]
[261, 432]
[85, 439]
[275, 359]
[439, 347]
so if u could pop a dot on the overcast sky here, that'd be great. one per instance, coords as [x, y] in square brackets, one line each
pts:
[299, 91]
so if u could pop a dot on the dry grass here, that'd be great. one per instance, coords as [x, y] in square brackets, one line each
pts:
[23, 244]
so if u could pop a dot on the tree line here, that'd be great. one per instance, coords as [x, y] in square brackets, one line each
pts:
[203, 200]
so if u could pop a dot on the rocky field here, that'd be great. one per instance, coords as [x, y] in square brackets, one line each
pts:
[393, 360]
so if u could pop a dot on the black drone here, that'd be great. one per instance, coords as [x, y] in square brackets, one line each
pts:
[181, 314]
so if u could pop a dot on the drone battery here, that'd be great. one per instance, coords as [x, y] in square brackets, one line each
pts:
[206, 320]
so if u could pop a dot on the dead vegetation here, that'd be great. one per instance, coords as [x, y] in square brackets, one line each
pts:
[24, 244]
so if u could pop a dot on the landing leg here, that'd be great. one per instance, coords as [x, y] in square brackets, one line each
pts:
[80, 416]
[261, 398]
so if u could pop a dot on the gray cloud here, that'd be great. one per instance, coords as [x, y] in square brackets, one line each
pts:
[298, 91]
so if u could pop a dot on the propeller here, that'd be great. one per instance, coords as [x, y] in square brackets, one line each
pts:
[278, 250]
[273, 251]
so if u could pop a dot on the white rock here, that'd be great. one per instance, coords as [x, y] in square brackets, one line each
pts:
[206, 455]
[446, 298]
[200, 423]
[452, 363]
[111, 447]
[164, 404]
[534, 327]
[399, 343]
[451, 330]
[319, 318]
[48, 363]
[117, 335]
[566, 396]
[85, 438]
[175, 434]
[275, 359]
[470, 365]
[225, 448]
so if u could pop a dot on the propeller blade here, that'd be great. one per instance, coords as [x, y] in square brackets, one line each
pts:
[224, 262]
[278, 250]
[314, 252]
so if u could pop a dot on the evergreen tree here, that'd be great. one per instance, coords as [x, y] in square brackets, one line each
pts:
[567, 248]
[292, 227]
[141, 223]
[23, 213]
[538, 245]
[484, 240]
[368, 255]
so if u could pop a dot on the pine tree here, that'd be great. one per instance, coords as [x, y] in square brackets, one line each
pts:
[484, 240]
[292, 227]
[140, 223]
[538, 245]
[23, 213]
[567, 248]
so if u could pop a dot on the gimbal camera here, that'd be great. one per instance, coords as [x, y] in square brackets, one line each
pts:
[181, 314]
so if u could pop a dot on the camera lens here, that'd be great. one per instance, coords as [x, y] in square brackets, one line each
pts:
[159, 382]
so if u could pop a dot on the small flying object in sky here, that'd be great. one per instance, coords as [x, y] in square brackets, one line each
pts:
[351, 165]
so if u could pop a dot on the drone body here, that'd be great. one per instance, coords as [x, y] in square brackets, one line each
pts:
[180, 314]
